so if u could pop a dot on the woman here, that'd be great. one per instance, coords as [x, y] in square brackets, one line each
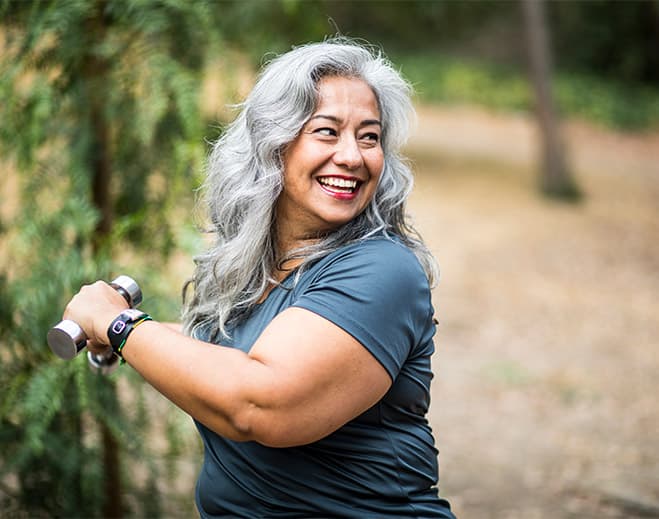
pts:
[305, 361]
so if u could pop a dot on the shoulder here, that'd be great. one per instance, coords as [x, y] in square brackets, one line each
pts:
[382, 266]
[378, 254]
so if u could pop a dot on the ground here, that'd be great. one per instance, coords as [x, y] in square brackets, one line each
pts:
[544, 400]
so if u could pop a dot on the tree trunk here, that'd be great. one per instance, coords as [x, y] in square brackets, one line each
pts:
[101, 168]
[555, 179]
[113, 506]
[95, 71]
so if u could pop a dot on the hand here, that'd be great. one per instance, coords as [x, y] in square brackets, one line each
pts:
[93, 309]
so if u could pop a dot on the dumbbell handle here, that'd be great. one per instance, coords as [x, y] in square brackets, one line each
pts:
[67, 339]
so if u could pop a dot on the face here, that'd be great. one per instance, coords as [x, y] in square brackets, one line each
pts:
[331, 170]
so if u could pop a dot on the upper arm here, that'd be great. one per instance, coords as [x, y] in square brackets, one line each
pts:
[321, 378]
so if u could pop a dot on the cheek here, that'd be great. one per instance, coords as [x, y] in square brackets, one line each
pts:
[376, 168]
[376, 165]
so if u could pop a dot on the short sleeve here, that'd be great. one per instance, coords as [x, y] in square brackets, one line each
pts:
[377, 292]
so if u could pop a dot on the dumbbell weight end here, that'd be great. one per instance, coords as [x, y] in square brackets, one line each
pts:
[66, 339]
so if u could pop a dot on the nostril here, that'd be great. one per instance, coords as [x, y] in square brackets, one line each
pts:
[349, 160]
[348, 153]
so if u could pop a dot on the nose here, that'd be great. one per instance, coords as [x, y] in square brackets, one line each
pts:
[347, 153]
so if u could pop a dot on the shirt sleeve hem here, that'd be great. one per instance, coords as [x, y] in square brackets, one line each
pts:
[355, 330]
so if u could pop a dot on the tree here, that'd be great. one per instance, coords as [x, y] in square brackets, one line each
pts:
[100, 113]
[556, 179]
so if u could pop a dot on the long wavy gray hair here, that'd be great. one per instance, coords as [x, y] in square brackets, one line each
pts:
[245, 179]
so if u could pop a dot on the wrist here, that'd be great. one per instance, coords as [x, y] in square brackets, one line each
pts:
[104, 324]
[122, 326]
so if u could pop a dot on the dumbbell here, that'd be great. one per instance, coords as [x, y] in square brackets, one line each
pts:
[66, 339]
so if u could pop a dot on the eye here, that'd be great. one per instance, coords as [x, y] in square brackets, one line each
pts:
[325, 132]
[370, 138]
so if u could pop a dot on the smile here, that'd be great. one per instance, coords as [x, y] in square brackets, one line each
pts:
[338, 185]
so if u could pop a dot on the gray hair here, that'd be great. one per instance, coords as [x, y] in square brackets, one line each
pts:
[245, 179]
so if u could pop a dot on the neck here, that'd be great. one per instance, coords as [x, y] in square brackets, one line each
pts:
[284, 248]
[287, 242]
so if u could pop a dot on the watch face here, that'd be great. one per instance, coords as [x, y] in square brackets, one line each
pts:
[118, 327]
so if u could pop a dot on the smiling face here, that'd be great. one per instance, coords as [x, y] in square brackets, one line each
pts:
[332, 168]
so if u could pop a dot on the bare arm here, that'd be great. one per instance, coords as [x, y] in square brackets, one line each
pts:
[304, 377]
[177, 327]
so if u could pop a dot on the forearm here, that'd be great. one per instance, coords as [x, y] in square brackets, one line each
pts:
[213, 384]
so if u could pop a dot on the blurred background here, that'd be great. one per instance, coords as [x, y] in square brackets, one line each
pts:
[537, 160]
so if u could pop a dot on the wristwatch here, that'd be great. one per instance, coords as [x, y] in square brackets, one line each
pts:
[122, 325]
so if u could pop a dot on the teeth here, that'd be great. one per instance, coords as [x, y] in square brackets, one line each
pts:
[338, 182]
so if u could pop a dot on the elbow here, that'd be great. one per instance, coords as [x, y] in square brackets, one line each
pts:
[268, 428]
[242, 424]
[257, 431]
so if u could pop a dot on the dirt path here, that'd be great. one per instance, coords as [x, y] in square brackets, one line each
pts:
[544, 401]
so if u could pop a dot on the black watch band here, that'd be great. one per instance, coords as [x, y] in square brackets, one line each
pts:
[122, 325]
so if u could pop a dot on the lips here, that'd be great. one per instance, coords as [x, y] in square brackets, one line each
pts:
[340, 187]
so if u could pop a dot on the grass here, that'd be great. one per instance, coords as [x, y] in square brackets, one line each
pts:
[630, 107]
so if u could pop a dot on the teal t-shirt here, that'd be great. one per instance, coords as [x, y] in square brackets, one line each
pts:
[382, 463]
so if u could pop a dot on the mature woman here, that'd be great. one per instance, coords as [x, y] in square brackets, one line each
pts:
[305, 361]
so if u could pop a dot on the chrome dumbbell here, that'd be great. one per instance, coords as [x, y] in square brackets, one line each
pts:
[67, 339]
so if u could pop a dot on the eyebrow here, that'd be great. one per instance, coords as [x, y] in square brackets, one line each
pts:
[337, 120]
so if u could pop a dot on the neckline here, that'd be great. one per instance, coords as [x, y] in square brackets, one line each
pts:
[276, 286]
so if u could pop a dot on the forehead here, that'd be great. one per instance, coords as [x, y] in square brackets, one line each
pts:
[346, 95]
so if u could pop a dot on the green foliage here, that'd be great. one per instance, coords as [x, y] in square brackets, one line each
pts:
[48, 403]
[130, 68]
[608, 38]
[610, 103]
[448, 80]
[460, 81]
[411, 25]
[89, 88]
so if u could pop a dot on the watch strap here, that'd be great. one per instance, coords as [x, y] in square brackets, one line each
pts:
[122, 325]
